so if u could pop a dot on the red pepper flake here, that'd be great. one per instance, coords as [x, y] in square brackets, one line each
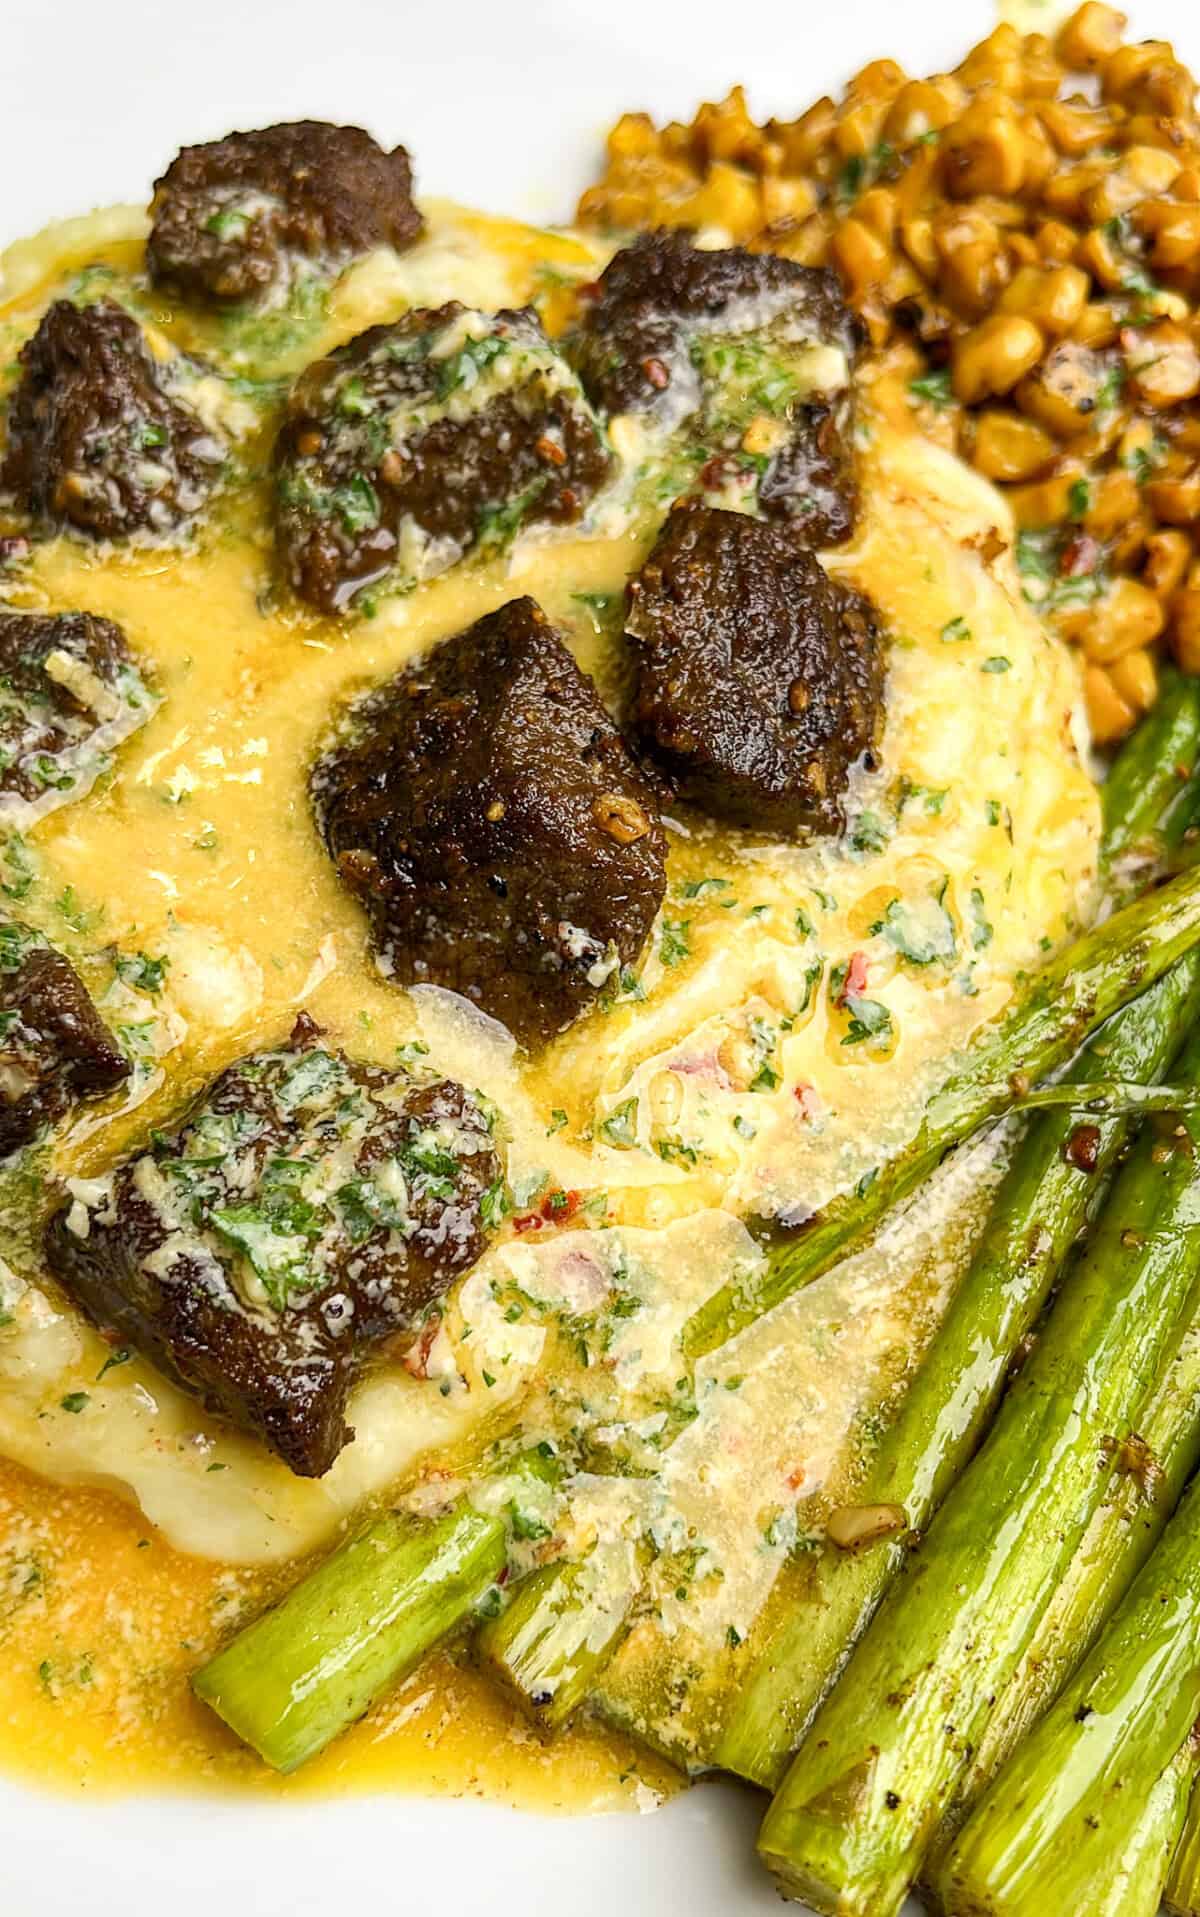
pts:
[806, 1098]
[657, 373]
[416, 1359]
[855, 982]
[1080, 556]
[550, 450]
[796, 1478]
[712, 473]
[560, 1206]
[527, 1221]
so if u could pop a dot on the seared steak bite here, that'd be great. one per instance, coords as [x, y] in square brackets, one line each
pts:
[419, 440]
[70, 692]
[95, 441]
[750, 354]
[307, 1207]
[759, 678]
[486, 810]
[235, 218]
[54, 1046]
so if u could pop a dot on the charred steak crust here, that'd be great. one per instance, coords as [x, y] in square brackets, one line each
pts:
[759, 678]
[308, 1207]
[445, 430]
[54, 1046]
[488, 813]
[70, 692]
[232, 218]
[95, 441]
[681, 334]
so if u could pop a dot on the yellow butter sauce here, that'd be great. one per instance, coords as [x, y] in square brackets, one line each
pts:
[101, 1624]
[201, 847]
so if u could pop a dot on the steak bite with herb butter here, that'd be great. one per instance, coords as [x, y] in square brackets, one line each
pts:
[486, 810]
[70, 692]
[308, 1207]
[750, 356]
[54, 1046]
[95, 439]
[418, 441]
[759, 678]
[237, 219]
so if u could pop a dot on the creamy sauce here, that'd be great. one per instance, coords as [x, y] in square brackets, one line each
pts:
[726, 1080]
[101, 1624]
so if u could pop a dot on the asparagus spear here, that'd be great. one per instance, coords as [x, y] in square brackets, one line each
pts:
[1076, 992]
[1151, 770]
[562, 1627]
[565, 1619]
[822, 1605]
[1052, 1832]
[1108, 969]
[861, 1804]
[306, 1669]
[1143, 1488]
[1144, 1866]
[1040, 1209]
[1182, 1891]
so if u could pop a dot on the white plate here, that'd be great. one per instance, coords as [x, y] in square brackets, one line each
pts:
[502, 103]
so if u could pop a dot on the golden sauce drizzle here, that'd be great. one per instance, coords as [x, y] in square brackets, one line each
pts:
[102, 1623]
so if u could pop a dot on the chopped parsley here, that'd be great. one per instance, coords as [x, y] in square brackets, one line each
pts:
[869, 1019]
[495, 1204]
[764, 1042]
[674, 1151]
[620, 1127]
[674, 944]
[869, 833]
[79, 917]
[701, 888]
[356, 504]
[1079, 499]
[18, 867]
[919, 931]
[144, 973]
[227, 224]
[981, 927]
[933, 389]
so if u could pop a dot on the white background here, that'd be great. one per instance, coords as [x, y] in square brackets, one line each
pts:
[502, 103]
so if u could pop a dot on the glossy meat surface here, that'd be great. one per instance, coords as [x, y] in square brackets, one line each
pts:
[307, 1208]
[54, 1046]
[95, 440]
[488, 813]
[236, 219]
[446, 431]
[759, 679]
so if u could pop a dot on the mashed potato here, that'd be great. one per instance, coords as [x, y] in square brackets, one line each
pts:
[726, 1082]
